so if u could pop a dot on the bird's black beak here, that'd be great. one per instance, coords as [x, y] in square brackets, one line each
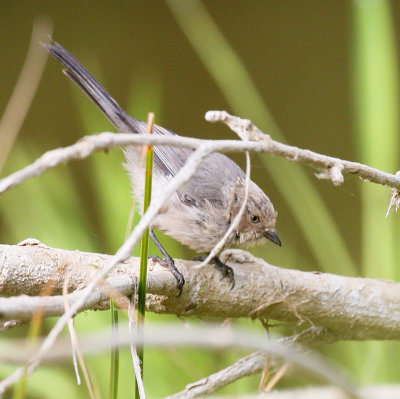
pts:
[272, 236]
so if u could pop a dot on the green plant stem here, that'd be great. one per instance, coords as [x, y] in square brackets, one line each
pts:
[114, 367]
[35, 329]
[20, 388]
[144, 250]
[376, 102]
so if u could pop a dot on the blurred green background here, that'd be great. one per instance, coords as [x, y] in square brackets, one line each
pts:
[318, 75]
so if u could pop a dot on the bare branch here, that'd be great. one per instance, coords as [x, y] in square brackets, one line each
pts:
[218, 247]
[184, 174]
[328, 167]
[391, 391]
[349, 308]
[250, 365]
[205, 336]
[135, 357]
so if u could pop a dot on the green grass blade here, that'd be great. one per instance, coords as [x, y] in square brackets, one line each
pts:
[144, 248]
[114, 366]
[376, 109]
[376, 106]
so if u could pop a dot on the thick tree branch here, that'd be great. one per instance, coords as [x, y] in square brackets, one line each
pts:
[123, 253]
[348, 308]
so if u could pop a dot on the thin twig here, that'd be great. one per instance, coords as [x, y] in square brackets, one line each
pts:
[220, 244]
[331, 167]
[211, 336]
[276, 378]
[122, 254]
[72, 333]
[135, 357]
[250, 365]
[389, 391]
[76, 351]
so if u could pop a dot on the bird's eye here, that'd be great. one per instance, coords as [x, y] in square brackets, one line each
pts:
[255, 219]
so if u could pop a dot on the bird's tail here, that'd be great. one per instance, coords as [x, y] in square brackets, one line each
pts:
[94, 90]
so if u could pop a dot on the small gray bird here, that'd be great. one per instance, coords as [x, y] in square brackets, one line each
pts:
[200, 213]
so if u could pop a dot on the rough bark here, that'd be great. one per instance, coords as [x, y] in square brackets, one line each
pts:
[350, 308]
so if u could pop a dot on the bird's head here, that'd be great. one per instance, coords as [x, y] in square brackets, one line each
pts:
[257, 224]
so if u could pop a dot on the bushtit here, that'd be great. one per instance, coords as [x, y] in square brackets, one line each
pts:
[200, 213]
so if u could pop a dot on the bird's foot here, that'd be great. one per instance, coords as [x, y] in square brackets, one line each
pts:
[169, 262]
[199, 258]
[224, 269]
